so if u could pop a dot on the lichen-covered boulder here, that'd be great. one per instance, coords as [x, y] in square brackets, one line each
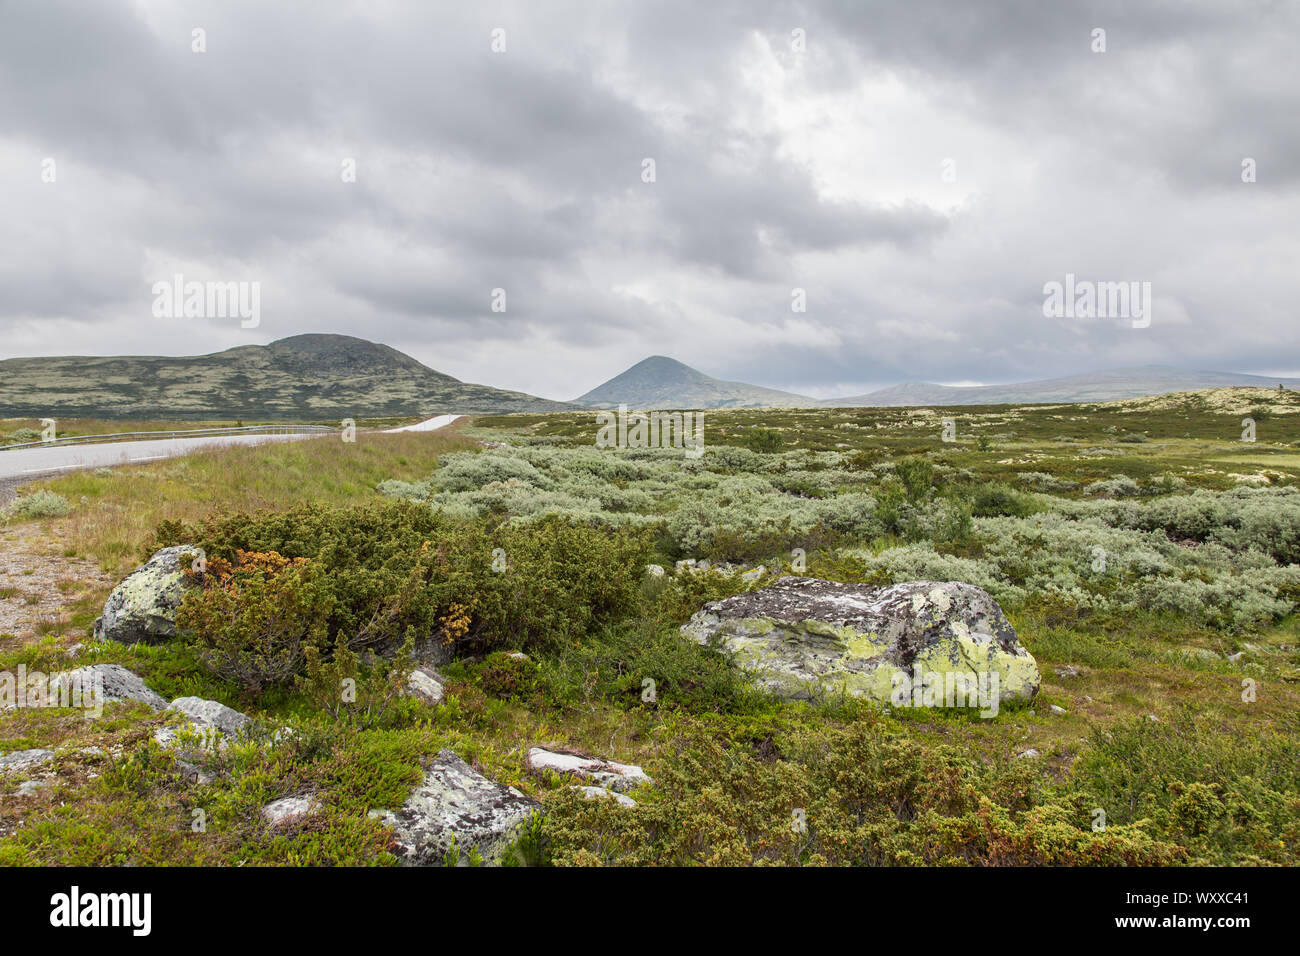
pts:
[806, 638]
[457, 804]
[142, 609]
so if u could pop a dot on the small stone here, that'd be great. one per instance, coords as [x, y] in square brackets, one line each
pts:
[750, 576]
[1031, 753]
[31, 788]
[1058, 710]
[426, 684]
[606, 773]
[600, 793]
[654, 571]
[1069, 670]
[288, 810]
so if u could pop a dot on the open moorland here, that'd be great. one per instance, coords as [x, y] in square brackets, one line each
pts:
[1147, 556]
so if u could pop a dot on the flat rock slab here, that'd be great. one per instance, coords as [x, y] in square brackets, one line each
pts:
[806, 638]
[118, 683]
[142, 609]
[606, 773]
[25, 761]
[456, 803]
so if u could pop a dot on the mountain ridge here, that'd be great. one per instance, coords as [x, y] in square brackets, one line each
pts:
[309, 377]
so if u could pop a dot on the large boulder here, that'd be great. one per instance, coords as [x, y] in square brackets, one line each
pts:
[457, 804]
[142, 609]
[806, 638]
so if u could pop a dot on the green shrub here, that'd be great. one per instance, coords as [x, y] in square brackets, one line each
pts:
[861, 795]
[996, 500]
[916, 475]
[400, 567]
[763, 440]
[254, 623]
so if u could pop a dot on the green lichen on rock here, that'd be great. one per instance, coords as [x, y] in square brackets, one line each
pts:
[806, 638]
[142, 609]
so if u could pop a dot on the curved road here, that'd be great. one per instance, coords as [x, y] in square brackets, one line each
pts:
[27, 464]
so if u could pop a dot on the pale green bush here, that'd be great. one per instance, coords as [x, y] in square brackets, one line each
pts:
[39, 504]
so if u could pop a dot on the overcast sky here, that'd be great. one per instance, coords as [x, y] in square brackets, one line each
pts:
[776, 168]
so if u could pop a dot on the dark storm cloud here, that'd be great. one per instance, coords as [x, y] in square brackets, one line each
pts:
[522, 171]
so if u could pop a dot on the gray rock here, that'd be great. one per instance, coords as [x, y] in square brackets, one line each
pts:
[457, 803]
[654, 571]
[1068, 670]
[1057, 710]
[288, 810]
[142, 609]
[30, 788]
[1029, 754]
[805, 637]
[211, 715]
[119, 684]
[600, 793]
[607, 773]
[22, 761]
[753, 575]
[426, 684]
[203, 716]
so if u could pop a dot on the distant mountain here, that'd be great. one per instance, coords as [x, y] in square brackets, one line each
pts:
[303, 377]
[664, 383]
[1109, 386]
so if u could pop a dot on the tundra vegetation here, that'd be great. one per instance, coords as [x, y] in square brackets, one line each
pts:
[1155, 579]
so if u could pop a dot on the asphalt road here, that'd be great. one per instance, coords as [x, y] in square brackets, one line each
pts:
[27, 464]
[22, 465]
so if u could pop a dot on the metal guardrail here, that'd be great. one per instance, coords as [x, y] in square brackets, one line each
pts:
[179, 433]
